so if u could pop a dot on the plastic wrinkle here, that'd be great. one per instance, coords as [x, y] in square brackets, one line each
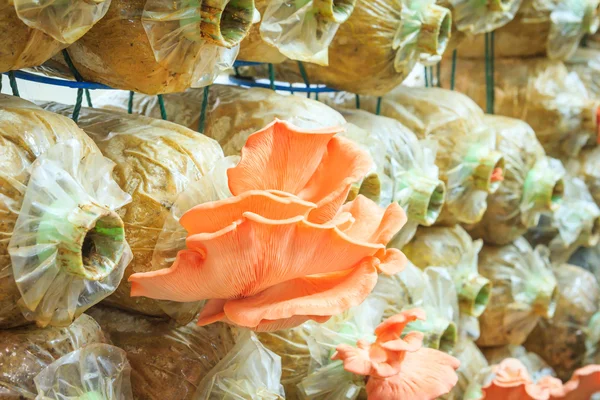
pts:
[249, 371]
[97, 371]
[65, 21]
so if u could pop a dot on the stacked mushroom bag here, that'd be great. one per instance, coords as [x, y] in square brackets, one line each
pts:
[472, 362]
[586, 63]
[155, 161]
[541, 92]
[158, 46]
[575, 224]
[32, 33]
[587, 167]
[453, 249]
[299, 31]
[169, 361]
[57, 363]
[392, 34]
[524, 290]
[533, 184]
[468, 163]
[63, 248]
[432, 291]
[472, 17]
[406, 171]
[550, 28]
[566, 340]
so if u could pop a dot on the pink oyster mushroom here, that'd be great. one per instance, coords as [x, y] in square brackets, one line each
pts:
[284, 249]
[512, 382]
[400, 369]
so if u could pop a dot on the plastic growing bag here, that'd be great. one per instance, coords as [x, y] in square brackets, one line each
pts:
[297, 30]
[542, 93]
[159, 46]
[327, 378]
[454, 250]
[25, 352]
[576, 223]
[232, 113]
[541, 27]
[523, 291]
[57, 294]
[533, 184]
[33, 31]
[587, 167]
[585, 62]
[155, 161]
[467, 161]
[472, 361]
[474, 17]
[97, 371]
[68, 248]
[248, 371]
[407, 173]
[391, 34]
[563, 340]
[431, 290]
[167, 361]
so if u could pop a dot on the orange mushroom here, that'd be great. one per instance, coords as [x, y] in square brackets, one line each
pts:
[283, 250]
[400, 368]
[511, 381]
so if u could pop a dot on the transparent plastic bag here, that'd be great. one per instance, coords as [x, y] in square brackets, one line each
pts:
[587, 167]
[167, 361]
[299, 31]
[585, 62]
[541, 27]
[454, 250]
[326, 378]
[160, 46]
[248, 371]
[97, 371]
[232, 113]
[33, 31]
[533, 184]
[155, 161]
[472, 361]
[575, 223]
[562, 341]
[475, 17]
[524, 290]
[64, 21]
[406, 170]
[431, 290]
[539, 91]
[292, 346]
[467, 161]
[68, 248]
[391, 34]
[25, 352]
[26, 133]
